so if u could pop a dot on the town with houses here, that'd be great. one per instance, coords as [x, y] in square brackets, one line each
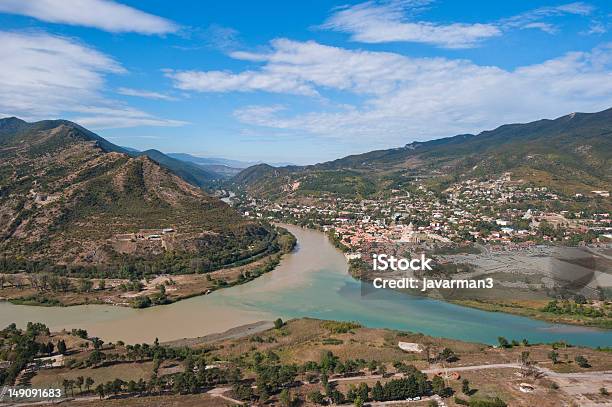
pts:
[535, 243]
[500, 213]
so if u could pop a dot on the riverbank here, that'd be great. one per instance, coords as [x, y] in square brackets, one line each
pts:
[120, 292]
[533, 309]
[529, 308]
[311, 353]
[311, 281]
[154, 290]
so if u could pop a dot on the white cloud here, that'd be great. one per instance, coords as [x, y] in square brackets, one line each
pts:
[416, 98]
[374, 22]
[393, 21]
[574, 8]
[220, 37]
[45, 76]
[120, 117]
[532, 18]
[597, 28]
[300, 67]
[103, 14]
[221, 81]
[546, 27]
[145, 94]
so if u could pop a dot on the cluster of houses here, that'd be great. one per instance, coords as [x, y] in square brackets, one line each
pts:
[491, 211]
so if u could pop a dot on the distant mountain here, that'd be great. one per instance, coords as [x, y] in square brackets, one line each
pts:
[210, 160]
[194, 174]
[70, 201]
[130, 149]
[570, 154]
[222, 161]
[201, 175]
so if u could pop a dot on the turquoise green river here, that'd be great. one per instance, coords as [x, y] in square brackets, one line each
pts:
[310, 282]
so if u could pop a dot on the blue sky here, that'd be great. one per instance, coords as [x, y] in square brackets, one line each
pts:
[300, 82]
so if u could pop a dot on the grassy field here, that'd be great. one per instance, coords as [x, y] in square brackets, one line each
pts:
[304, 339]
[52, 378]
[531, 309]
[178, 287]
[300, 341]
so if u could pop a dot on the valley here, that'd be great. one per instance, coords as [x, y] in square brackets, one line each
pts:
[126, 247]
[76, 210]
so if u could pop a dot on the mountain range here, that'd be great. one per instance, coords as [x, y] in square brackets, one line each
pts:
[70, 198]
[570, 154]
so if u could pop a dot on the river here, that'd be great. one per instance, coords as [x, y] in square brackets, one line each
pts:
[310, 282]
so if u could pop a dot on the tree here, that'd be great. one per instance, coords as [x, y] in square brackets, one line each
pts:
[378, 393]
[448, 355]
[337, 396]
[97, 343]
[79, 382]
[65, 385]
[131, 387]
[495, 402]
[61, 347]
[263, 394]
[582, 361]
[358, 402]
[503, 342]
[351, 394]
[100, 391]
[554, 356]
[382, 369]
[525, 358]
[85, 285]
[243, 392]
[362, 392]
[465, 386]
[278, 324]
[438, 386]
[88, 383]
[285, 398]
[580, 299]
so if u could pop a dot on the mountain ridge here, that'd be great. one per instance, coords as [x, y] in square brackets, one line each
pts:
[70, 200]
[572, 152]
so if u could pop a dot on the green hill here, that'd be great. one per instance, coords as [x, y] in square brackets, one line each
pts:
[570, 154]
[70, 200]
